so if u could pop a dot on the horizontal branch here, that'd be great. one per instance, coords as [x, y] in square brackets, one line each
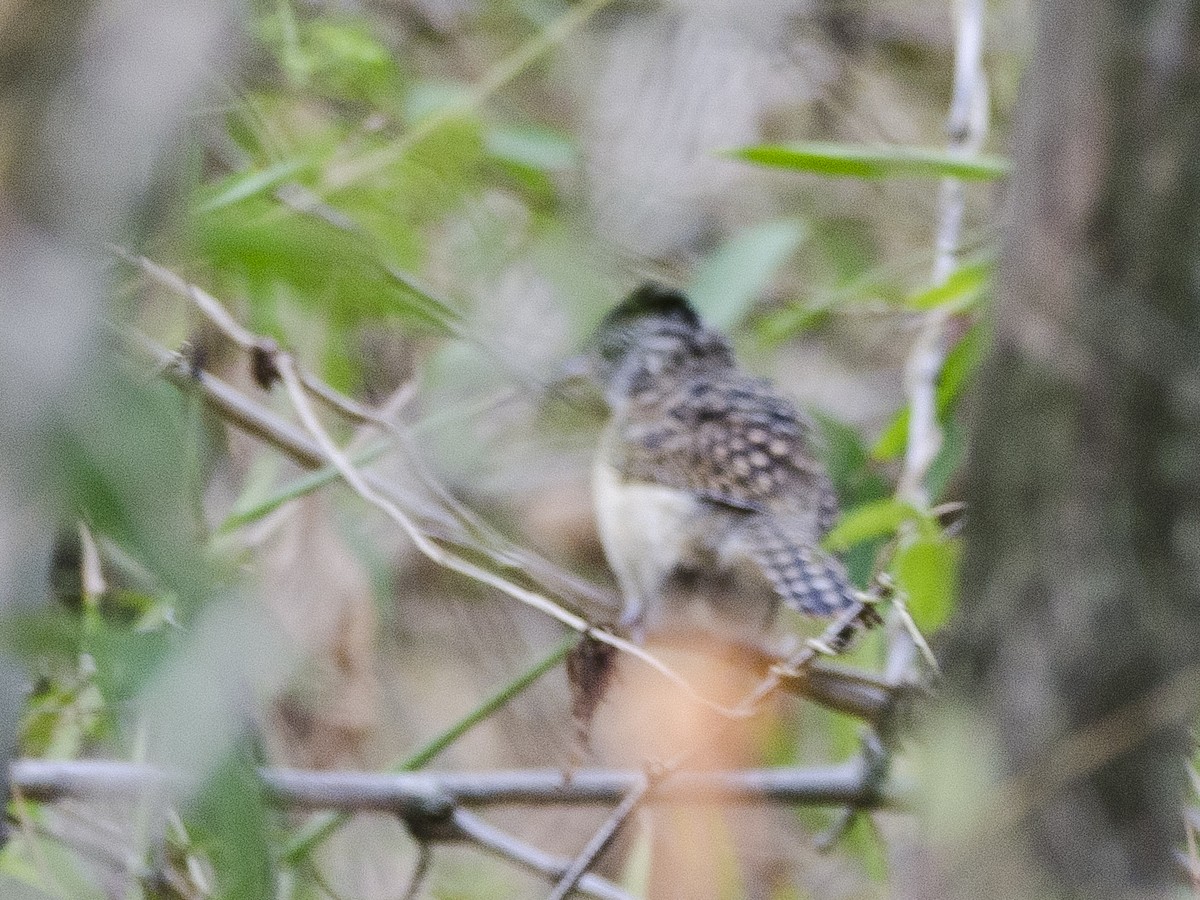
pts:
[431, 796]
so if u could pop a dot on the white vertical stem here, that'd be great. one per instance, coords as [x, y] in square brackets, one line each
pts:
[966, 126]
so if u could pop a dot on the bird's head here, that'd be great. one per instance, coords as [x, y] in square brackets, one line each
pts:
[653, 332]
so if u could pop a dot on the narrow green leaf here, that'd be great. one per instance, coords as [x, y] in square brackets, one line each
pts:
[927, 571]
[894, 437]
[958, 292]
[298, 488]
[242, 185]
[961, 362]
[871, 520]
[855, 161]
[729, 281]
[949, 459]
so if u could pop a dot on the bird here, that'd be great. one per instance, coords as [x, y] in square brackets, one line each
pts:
[706, 489]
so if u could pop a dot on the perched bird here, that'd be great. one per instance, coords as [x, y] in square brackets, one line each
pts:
[706, 489]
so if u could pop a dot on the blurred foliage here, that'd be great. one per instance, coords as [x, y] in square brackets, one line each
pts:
[352, 165]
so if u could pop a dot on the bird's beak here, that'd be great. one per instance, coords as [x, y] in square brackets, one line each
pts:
[576, 384]
[575, 368]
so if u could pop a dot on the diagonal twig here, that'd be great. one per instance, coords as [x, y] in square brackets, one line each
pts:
[858, 693]
[601, 840]
[445, 558]
[472, 827]
[262, 351]
[216, 313]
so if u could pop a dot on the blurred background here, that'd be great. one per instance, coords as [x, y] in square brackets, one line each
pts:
[431, 203]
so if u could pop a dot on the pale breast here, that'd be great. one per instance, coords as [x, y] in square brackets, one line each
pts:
[645, 528]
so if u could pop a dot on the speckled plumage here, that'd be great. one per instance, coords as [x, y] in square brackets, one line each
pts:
[705, 468]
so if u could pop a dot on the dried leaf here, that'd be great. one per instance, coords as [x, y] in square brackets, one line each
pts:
[589, 672]
[262, 364]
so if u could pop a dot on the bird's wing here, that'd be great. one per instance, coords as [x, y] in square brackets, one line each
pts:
[732, 441]
[737, 443]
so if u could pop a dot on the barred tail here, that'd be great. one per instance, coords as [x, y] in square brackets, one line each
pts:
[806, 578]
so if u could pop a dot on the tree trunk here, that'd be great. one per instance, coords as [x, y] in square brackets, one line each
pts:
[1074, 655]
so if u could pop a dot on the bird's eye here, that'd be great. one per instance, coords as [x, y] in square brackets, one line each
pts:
[614, 345]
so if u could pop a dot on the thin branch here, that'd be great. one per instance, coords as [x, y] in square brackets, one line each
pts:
[443, 557]
[476, 830]
[420, 870]
[862, 694]
[600, 840]
[966, 126]
[260, 422]
[904, 617]
[216, 313]
[263, 350]
[432, 796]
[857, 693]
[837, 636]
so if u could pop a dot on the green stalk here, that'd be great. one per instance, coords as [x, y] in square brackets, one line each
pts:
[302, 486]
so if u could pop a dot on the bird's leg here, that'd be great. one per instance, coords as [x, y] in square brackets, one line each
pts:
[633, 618]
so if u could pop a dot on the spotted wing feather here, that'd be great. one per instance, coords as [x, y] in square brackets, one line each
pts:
[733, 440]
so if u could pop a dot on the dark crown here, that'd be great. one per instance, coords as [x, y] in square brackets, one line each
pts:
[652, 301]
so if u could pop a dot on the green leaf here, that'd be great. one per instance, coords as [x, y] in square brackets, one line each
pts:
[958, 292]
[790, 322]
[864, 843]
[845, 455]
[242, 185]
[59, 719]
[961, 362]
[872, 520]
[729, 281]
[855, 161]
[894, 438]
[329, 269]
[948, 460]
[927, 571]
[334, 57]
[850, 466]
